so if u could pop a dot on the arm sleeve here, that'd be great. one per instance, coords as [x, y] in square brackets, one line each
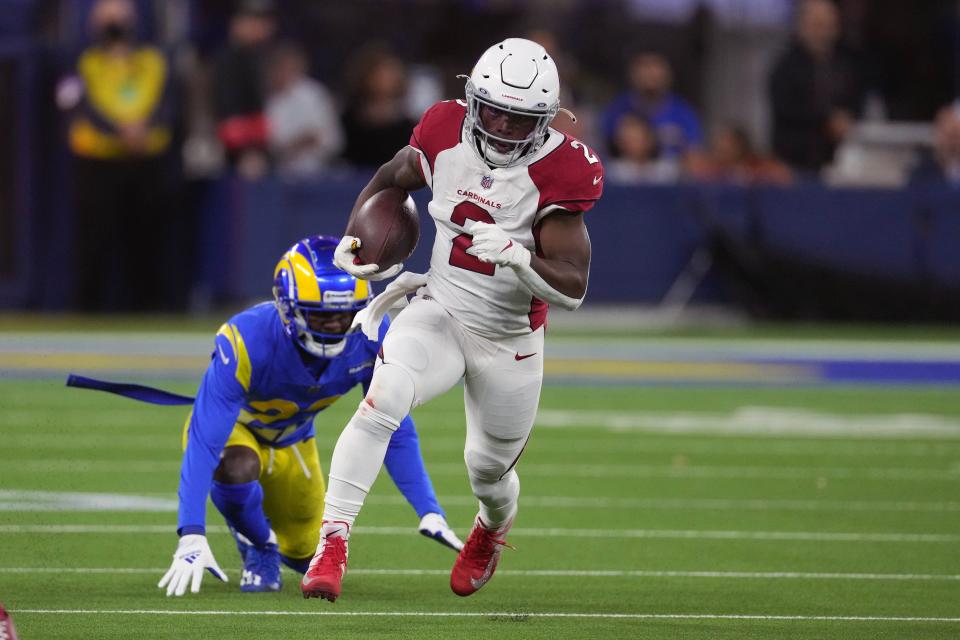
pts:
[215, 412]
[405, 465]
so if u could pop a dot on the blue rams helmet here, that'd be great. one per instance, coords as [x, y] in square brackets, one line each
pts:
[307, 286]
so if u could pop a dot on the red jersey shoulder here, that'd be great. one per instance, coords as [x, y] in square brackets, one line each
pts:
[439, 129]
[570, 176]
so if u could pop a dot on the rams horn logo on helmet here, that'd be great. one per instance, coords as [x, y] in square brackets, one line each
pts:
[306, 282]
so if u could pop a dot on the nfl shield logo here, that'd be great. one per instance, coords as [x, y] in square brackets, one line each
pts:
[486, 182]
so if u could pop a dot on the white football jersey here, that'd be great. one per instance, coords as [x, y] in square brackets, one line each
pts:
[563, 174]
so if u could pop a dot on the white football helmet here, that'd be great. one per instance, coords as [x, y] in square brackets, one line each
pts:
[518, 76]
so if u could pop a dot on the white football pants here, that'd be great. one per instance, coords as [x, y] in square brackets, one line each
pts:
[425, 353]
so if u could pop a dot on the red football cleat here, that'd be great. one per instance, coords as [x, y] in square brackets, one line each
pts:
[7, 632]
[478, 559]
[322, 579]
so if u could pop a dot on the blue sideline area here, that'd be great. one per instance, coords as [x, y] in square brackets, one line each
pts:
[643, 237]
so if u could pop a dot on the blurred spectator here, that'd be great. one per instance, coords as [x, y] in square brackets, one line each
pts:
[636, 155]
[375, 121]
[731, 157]
[119, 133]
[239, 96]
[650, 96]
[577, 125]
[303, 121]
[816, 90]
[943, 165]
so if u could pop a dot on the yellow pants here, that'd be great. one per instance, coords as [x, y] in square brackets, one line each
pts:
[293, 490]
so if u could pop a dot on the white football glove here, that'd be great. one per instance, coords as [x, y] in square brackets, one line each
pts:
[434, 526]
[492, 244]
[192, 556]
[393, 297]
[343, 257]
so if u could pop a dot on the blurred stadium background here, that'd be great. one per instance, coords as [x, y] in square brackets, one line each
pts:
[750, 429]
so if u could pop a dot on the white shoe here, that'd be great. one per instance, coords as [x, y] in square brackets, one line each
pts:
[434, 526]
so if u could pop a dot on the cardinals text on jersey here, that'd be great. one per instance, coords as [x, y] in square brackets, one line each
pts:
[563, 174]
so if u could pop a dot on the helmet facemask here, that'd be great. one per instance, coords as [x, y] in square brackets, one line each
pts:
[484, 141]
[319, 343]
[297, 323]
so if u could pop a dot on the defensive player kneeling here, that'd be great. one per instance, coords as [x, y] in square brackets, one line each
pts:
[249, 441]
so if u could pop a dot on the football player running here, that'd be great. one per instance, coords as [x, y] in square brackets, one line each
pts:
[509, 194]
[249, 441]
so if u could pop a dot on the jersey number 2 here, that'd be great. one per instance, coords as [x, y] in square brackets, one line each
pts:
[589, 157]
[458, 254]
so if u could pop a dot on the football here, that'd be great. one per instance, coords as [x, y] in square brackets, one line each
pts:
[388, 226]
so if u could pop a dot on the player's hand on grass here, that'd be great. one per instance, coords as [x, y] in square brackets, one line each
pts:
[491, 244]
[345, 254]
[435, 527]
[192, 556]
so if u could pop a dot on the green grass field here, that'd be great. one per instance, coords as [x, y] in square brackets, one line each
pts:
[626, 530]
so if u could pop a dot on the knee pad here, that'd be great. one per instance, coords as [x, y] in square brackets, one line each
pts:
[391, 392]
[492, 483]
[483, 468]
[406, 348]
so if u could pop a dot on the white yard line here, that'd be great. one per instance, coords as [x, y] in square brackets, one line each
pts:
[559, 573]
[731, 472]
[759, 421]
[489, 614]
[11, 500]
[553, 532]
[636, 442]
[53, 465]
[166, 502]
[88, 465]
[702, 504]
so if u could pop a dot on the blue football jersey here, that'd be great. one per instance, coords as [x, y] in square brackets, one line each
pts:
[281, 395]
[257, 378]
